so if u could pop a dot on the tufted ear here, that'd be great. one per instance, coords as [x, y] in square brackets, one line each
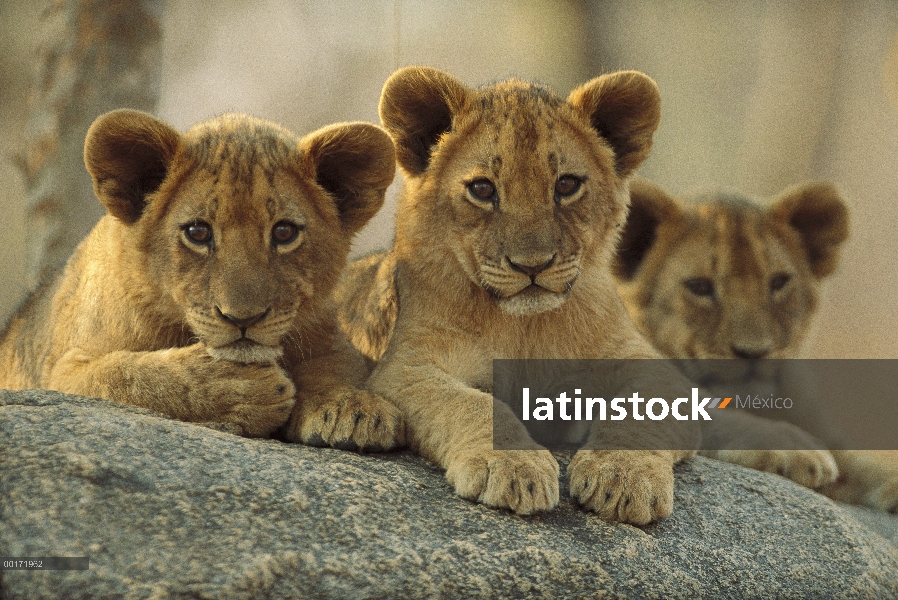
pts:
[128, 153]
[649, 207]
[625, 108]
[355, 163]
[416, 107]
[820, 217]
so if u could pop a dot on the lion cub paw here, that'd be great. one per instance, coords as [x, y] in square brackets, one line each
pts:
[884, 497]
[255, 398]
[252, 399]
[810, 468]
[525, 481]
[626, 486]
[351, 420]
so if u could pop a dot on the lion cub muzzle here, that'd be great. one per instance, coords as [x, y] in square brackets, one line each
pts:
[531, 274]
[529, 288]
[538, 276]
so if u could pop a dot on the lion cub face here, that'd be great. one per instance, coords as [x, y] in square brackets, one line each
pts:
[722, 277]
[516, 190]
[529, 186]
[247, 231]
[245, 225]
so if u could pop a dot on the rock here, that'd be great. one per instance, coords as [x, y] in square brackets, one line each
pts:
[884, 524]
[166, 509]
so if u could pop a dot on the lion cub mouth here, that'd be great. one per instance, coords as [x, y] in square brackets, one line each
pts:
[533, 299]
[245, 350]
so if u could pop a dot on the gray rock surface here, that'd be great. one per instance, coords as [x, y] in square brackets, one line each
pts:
[172, 510]
[882, 523]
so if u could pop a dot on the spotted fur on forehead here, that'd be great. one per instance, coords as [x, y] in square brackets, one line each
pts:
[740, 234]
[527, 107]
[513, 95]
[521, 126]
[239, 145]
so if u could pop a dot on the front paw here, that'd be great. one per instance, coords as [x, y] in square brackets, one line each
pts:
[629, 486]
[525, 481]
[257, 399]
[251, 399]
[349, 420]
[884, 497]
[810, 468]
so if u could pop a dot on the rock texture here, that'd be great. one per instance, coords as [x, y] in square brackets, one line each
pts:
[172, 510]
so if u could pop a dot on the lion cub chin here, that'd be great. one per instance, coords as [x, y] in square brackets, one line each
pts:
[504, 234]
[204, 293]
[718, 276]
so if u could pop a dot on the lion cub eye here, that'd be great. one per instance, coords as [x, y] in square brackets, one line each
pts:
[482, 190]
[779, 281]
[198, 232]
[284, 232]
[567, 185]
[700, 286]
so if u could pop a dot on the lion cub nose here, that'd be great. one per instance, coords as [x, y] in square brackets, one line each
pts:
[242, 323]
[533, 269]
[752, 354]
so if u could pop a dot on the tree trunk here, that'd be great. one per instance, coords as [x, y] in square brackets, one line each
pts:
[98, 55]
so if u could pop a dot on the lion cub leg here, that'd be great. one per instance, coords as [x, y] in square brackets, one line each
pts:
[524, 481]
[452, 424]
[808, 464]
[184, 383]
[867, 477]
[331, 411]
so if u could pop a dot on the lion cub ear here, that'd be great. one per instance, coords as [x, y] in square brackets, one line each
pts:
[128, 153]
[649, 207]
[355, 163]
[818, 214]
[625, 108]
[416, 107]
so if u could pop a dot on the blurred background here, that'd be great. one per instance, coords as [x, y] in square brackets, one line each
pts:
[757, 95]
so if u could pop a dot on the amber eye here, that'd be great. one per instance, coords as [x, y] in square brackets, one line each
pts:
[285, 232]
[779, 281]
[700, 286]
[567, 185]
[482, 190]
[198, 232]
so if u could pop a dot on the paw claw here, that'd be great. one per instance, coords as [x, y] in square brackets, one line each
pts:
[355, 420]
[523, 481]
[629, 487]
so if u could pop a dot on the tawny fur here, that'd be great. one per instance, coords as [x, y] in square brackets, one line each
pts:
[235, 329]
[765, 266]
[524, 275]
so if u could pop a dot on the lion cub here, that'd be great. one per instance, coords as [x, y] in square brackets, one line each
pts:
[505, 231]
[204, 294]
[720, 277]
